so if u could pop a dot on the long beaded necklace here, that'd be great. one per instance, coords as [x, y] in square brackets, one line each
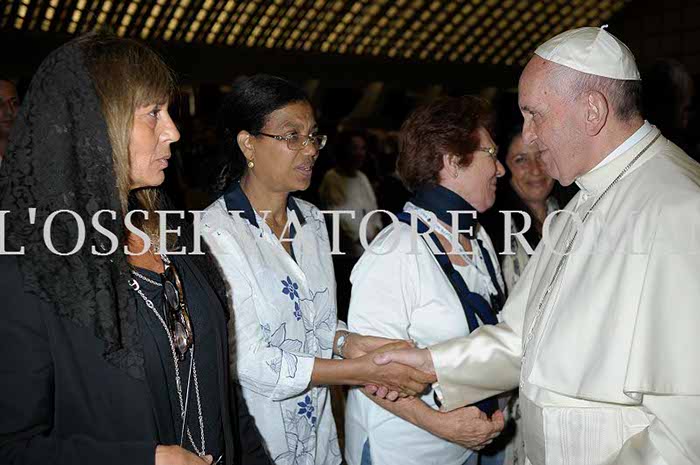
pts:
[193, 365]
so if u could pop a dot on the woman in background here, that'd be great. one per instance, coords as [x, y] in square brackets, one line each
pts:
[525, 188]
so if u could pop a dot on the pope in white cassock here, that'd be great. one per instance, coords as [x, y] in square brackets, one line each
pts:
[602, 331]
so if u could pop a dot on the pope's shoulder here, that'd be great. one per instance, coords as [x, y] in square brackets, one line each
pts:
[672, 175]
[665, 189]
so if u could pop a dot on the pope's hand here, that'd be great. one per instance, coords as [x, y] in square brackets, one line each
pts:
[398, 378]
[469, 427]
[384, 346]
[420, 359]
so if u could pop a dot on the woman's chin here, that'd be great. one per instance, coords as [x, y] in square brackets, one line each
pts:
[301, 185]
[155, 180]
[146, 184]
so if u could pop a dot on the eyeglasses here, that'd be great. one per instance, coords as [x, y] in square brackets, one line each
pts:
[297, 141]
[492, 151]
[177, 313]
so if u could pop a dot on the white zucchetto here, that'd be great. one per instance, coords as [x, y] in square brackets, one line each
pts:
[591, 50]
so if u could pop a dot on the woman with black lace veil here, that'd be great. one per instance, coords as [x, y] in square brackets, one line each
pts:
[108, 356]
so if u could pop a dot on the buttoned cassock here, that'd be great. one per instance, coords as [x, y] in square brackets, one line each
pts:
[608, 365]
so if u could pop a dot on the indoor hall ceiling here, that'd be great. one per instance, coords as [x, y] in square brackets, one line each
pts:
[495, 32]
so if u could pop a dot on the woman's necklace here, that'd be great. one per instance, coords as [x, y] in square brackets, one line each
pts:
[193, 366]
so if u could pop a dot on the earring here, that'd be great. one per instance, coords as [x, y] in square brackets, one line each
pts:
[251, 164]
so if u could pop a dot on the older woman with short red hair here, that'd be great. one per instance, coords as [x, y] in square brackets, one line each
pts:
[431, 288]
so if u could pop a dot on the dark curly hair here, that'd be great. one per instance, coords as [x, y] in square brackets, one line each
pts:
[448, 125]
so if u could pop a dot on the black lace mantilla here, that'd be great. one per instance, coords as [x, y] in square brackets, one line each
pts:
[59, 157]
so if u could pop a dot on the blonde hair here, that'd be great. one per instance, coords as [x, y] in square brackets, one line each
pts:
[127, 75]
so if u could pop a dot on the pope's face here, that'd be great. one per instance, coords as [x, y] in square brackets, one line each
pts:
[552, 122]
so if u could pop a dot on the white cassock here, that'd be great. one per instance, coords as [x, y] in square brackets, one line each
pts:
[608, 367]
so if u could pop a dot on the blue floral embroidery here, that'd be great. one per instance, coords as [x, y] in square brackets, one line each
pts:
[290, 288]
[306, 408]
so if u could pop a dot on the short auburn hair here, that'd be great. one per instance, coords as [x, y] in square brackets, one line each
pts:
[446, 126]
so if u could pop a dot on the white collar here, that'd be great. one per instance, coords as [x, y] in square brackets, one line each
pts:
[600, 177]
[627, 144]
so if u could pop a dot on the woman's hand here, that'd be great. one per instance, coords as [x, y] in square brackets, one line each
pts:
[176, 455]
[469, 427]
[381, 391]
[404, 380]
[358, 345]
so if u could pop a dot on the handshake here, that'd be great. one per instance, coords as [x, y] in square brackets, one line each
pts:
[393, 368]
[398, 371]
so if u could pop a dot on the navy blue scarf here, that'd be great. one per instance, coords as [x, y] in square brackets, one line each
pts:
[441, 201]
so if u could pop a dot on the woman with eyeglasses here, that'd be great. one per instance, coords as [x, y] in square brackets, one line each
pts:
[275, 255]
[113, 347]
[430, 288]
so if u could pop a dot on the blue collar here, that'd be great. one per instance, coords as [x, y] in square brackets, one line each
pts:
[236, 200]
[441, 201]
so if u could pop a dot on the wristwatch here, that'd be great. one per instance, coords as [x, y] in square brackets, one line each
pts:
[340, 344]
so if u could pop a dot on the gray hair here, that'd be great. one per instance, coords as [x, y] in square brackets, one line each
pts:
[624, 96]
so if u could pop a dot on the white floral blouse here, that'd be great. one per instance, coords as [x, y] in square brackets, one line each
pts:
[284, 315]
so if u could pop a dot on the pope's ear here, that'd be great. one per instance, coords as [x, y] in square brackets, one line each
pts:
[597, 112]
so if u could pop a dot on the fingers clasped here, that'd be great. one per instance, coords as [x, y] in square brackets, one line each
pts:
[472, 428]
